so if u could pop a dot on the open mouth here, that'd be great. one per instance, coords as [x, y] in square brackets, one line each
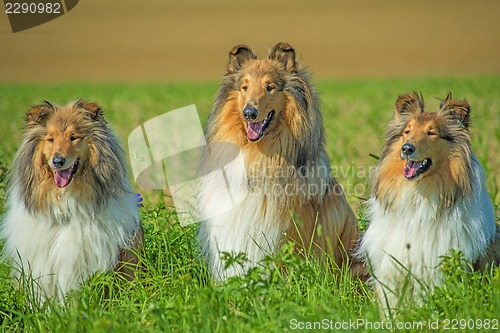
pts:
[256, 130]
[64, 177]
[413, 169]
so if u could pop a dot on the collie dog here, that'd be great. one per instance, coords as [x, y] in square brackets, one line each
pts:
[428, 198]
[70, 208]
[269, 109]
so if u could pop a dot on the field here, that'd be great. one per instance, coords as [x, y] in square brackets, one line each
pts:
[131, 41]
[174, 293]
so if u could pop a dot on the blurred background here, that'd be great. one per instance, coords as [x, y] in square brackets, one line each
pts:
[139, 59]
[172, 41]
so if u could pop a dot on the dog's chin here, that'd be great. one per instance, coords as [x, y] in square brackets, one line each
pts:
[257, 130]
[414, 169]
[63, 177]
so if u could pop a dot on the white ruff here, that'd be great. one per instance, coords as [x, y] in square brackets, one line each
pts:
[248, 229]
[60, 250]
[412, 232]
[255, 226]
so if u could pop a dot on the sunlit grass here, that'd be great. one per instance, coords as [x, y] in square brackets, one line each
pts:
[174, 291]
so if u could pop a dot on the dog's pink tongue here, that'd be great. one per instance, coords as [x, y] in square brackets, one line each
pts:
[411, 168]
[61, 177]
[253, 130]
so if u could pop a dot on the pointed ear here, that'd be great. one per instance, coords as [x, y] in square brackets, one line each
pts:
[285, 54]
[92, 109]
[459, 111]
[38, 114]
[410, 103]
[238, 56]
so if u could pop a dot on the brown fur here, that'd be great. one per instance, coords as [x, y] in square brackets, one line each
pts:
[129, 261]
[291, 145]
[442, 136]
[101, 158]
[492, 256]
[77, 131]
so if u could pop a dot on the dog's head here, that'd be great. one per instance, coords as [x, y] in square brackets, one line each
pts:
[261, 86]
[64, 136]
[427, 141]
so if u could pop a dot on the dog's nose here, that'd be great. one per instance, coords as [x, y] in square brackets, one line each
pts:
[408, 149]
[250, 112]
[58, 161]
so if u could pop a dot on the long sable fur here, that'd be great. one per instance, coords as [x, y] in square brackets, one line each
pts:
[292, 146]
[101, 179]
[454, 119]
[300, 88]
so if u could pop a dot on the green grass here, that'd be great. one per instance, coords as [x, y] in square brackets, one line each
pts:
[175, 293]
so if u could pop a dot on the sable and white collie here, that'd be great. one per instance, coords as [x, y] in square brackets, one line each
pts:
[428, 198]
[70, 208]
[270, 111]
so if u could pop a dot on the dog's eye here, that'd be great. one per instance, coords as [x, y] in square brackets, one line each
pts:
[406, 131]
[72, 138]
[431, 133]
[50, 139]
[269, 87]
[244, 88]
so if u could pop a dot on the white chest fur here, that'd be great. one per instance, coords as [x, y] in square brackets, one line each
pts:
[61, 249]
[236, 219]
[413, 235]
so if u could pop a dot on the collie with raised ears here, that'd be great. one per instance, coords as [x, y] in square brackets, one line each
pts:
[70, 209]
[270, 111]
[428, 198]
